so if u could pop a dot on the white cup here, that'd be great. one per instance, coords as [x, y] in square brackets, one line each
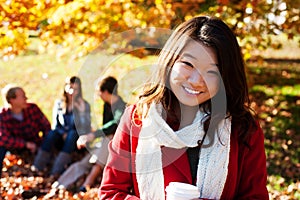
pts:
[181, 191]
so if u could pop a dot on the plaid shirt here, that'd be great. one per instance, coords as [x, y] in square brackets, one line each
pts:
[15, 133]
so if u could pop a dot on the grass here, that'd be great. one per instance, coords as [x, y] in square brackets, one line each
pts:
[276, 95]
[290, 48]
[275, 91]
[43, 76]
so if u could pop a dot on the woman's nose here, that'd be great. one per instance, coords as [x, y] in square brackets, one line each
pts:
[196, 79]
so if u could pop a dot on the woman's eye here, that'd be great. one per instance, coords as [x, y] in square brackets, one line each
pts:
[187, 63]
[213, 72]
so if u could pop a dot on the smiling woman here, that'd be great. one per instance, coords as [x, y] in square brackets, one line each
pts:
[194, 77]
[191, 124]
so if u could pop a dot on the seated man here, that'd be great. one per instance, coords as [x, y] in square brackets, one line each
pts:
[20, 123]
[95, 161]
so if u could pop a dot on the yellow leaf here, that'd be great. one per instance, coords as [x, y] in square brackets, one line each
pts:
[23, 9]
[158, 1]
[94, 28]
[16, 23]
[115, 18]
[247, 56]
[139, 15]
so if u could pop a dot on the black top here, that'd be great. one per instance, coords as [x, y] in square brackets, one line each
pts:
[111, 118]
[193, 155]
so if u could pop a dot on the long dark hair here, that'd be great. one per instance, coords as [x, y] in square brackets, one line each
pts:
[73, 80]
[213, 33]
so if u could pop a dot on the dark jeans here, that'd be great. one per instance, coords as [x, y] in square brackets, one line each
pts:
[55, 140]
[3, 151]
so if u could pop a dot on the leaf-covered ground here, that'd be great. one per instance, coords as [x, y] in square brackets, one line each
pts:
[275, 93]
[18, 177]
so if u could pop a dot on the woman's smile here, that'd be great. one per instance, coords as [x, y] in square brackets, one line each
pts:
[191, 91]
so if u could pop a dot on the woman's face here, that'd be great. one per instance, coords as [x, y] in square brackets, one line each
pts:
[195, 77]
[72, 90]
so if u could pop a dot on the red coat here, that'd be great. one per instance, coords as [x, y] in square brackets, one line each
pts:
[246, 177]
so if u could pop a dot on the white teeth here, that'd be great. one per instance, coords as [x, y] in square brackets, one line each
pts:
[191, 91]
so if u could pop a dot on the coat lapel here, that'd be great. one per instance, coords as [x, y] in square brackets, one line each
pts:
[177, 159]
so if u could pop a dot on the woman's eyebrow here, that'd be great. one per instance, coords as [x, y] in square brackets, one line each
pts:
[193, 57]
[188, 55]
[215, 64]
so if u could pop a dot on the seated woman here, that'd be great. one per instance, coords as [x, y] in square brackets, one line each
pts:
[94, 162]
[72, 118]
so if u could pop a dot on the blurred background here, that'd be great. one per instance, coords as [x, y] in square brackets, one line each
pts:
[44, 41]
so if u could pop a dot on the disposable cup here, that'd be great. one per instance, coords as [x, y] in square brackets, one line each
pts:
[181, 191]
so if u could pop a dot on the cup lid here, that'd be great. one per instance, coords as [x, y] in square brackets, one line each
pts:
[183, 188]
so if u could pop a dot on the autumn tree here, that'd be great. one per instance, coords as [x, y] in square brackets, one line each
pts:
[83, 25]
[255, 21]
[18, 20]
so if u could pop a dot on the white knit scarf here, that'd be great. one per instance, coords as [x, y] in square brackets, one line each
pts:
[213, 161]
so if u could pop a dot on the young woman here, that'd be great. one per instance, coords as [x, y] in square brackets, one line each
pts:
[95, 160]
[71, 118]
[191, 124]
